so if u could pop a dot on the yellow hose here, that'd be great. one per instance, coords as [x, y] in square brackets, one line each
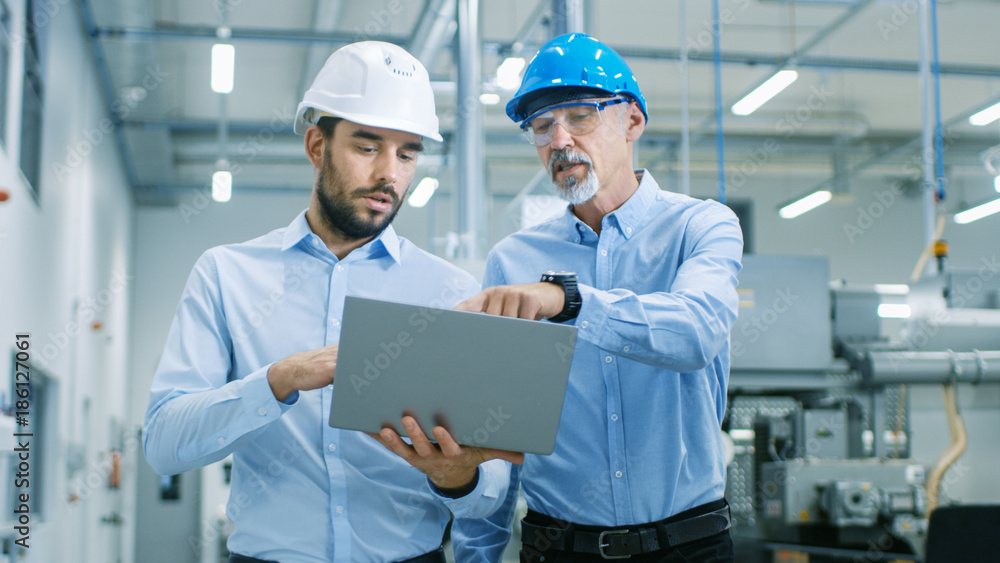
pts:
[952, 453]
[928, 251]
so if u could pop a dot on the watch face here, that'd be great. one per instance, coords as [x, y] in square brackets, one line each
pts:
[554, 273]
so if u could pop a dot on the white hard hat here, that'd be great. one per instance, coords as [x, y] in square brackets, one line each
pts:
[372, 83]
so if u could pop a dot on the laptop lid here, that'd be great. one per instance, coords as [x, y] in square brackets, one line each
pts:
[492, 381]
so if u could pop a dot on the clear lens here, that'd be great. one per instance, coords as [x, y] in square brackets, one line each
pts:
[577, 118]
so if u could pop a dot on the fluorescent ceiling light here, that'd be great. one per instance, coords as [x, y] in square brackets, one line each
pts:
[892, 288]
[807, 203]
[222, 185]
[423, 192]
[894, 311]
[978, 212]
[223, 65]
[996, 183]
[509, 73]
[489, 99]
[764, 92]
[987, 116]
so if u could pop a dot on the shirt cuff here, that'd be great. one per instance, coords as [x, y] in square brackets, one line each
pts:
[485, 498]
[458, 492]
[259, 399]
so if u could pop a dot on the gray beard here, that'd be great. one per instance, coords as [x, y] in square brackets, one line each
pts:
[574, 191]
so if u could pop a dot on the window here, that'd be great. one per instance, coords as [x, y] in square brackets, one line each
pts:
[4, 68]
[37, 21]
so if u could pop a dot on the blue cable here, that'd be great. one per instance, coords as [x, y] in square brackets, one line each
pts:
[936, 69]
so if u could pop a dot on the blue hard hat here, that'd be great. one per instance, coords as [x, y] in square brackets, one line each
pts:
[570, 67]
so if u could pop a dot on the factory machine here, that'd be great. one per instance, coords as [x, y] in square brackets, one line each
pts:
[818, 412]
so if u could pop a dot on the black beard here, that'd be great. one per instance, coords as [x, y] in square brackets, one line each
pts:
[339, 212]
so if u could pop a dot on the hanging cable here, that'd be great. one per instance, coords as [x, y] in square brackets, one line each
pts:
[954, 450]
[936, 70]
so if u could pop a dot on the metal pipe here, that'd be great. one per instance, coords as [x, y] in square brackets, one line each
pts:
[685, 106]
[433, 31]
[927, 136]
[183, 32]
[529, 27]
[567, 17]
[719, 140]
[326, 16]
[108, 91]
[960, 117]
[893, 368]
[470, 139]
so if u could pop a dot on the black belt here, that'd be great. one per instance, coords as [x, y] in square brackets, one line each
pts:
[622, 543]
[436, 556]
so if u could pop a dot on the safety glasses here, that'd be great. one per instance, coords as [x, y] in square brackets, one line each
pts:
[577, 118]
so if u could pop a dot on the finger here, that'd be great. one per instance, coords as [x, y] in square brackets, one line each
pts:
[474, 303]
[421, 444]
[495, 304]
[512, 305]
[516, 458]
[392, 441]
[378, 438]
[449, 447]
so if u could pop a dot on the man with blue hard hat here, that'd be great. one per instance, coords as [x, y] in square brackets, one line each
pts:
[649, 279]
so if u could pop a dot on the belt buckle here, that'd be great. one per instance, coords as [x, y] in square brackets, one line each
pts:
[601, 544]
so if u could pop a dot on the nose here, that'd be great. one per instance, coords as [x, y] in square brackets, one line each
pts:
[386, 170]
[560, 137]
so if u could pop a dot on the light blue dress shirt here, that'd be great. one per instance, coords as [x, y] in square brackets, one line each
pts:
[301, 491]
[639, 438]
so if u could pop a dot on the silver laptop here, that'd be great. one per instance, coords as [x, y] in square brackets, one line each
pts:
[492, 381]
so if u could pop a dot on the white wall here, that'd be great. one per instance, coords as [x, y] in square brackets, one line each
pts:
[67, 262]
[168, 241]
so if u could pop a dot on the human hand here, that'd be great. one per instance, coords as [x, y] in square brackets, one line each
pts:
[447, 464]
[303, 371]
[534, 301]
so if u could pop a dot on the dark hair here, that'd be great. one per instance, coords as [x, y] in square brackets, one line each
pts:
[327, 124]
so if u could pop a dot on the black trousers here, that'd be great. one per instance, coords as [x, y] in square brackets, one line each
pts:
[436, 556]
[717, 548]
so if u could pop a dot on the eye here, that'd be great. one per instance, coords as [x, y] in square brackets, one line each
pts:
[542, 127]
[407, 157]
[580, 116]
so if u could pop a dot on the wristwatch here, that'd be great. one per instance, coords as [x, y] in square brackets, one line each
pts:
[566, 280]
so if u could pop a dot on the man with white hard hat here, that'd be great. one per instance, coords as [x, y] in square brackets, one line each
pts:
[248, 367]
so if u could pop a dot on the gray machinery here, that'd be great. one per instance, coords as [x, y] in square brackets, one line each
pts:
[818, 413]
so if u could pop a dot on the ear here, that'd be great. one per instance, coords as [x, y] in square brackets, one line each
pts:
[315, 144]
[635, 122]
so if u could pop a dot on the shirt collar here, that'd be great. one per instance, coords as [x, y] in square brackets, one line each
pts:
[635, 207]
[298, 231]
[627, 217]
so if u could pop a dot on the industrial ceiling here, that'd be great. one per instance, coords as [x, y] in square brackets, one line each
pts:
[858, 107]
